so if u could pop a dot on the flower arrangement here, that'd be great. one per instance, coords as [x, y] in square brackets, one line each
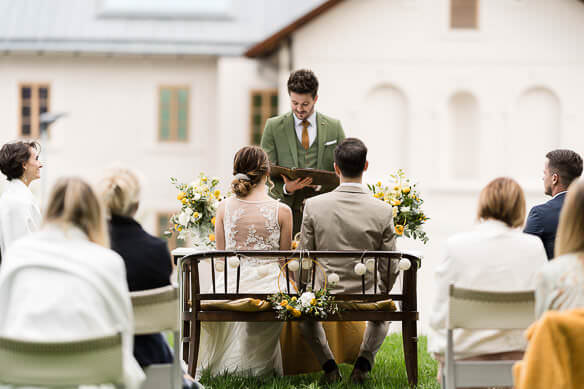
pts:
[199, 201]
[402, 195]
[317, 305]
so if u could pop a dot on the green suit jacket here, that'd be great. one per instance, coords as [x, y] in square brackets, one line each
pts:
[279, 140]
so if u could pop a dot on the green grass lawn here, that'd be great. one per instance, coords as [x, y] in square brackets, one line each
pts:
[389, 372]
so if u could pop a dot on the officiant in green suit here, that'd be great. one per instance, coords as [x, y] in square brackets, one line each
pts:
[302, 138]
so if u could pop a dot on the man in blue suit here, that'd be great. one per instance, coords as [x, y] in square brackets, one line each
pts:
[561, 168]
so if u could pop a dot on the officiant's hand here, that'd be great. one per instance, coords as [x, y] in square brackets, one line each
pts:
[294, 185]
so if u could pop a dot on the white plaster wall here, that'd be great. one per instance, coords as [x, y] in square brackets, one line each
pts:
[112, 106]
[360, 45]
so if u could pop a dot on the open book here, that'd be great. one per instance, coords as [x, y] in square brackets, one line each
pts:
[323, 178]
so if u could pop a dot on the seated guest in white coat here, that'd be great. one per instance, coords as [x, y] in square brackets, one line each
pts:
[495, 256]
[19, 213]
[64, 283]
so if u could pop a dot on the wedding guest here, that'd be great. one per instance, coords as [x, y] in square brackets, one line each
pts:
[497, 256]
[64, 283]
[348, 218]
[560, 169]
[19, 213]
[250, 220]
[302, 138]
[560, 284]
[147, 260]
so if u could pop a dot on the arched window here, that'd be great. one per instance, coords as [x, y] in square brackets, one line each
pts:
[535, 130]
[464, 137]
[383, 128]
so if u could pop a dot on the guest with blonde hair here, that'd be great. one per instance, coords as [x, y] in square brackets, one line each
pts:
[496, 256]
[64, 283]
[560, 284]
[147, 260]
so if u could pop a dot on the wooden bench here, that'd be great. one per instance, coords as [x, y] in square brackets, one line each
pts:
[192, 313]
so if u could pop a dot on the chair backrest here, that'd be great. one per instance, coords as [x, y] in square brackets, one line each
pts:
[155, 310]
[477, 309]
[56, 364]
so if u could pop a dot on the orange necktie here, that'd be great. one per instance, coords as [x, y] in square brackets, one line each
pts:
[305, 125]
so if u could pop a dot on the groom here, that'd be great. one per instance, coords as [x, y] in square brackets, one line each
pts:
[302, 138]
[348, 218]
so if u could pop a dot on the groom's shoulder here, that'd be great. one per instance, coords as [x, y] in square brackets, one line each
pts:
[327, 118]
[278, 120]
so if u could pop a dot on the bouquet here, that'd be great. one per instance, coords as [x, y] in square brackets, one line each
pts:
[402, 195]
[199, 201]
[316, 305]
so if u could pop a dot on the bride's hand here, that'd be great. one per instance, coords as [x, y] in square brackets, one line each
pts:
[294, 185]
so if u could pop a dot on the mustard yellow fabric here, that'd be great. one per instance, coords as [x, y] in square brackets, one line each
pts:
[555, 354]
[384, 305]
[241, 305]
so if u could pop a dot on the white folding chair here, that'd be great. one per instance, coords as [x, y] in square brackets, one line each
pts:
[92, 361]
[475, 309]
[157, 310]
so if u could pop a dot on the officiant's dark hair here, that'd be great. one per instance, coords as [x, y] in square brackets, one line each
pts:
[250, 161]
[303, 81]
[350, 157]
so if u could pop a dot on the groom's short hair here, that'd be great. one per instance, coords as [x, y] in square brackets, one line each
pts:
[303, 81]
[350, 157]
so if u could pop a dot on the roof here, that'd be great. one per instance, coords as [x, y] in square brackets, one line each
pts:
[172, 27]
[271, 44]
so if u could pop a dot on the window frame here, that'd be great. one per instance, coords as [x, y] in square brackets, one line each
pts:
[476, 15]
[35, 130]
[173, 112]
[266, 111]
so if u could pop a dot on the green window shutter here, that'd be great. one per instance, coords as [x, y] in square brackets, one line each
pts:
[183, 113]
[164, 104]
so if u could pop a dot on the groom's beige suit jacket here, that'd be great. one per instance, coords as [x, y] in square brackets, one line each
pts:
[349, 218]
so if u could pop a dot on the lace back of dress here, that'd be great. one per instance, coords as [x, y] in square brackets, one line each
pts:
[251, 225]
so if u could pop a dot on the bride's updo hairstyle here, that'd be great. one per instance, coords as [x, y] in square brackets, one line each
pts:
[250, 164]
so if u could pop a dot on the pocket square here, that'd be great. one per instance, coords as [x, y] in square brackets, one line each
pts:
[332, 142]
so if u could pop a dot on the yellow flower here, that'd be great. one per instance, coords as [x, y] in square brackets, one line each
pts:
[294, 245]
[181, 195]
[217, 193]
[196, 215]
[379, 183]
[296, 313]
[395, 202]
[176, 226]
[293, 298]
[396, 188]
[184, 200]
[213, 220]
[313, 302]
[179, 228]
[289, 307]
[212, 237]
[203, 179]
[284, 303]
[406, 189]
[399, 229]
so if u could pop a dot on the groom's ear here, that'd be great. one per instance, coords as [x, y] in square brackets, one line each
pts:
[337, 170]
[366, 165]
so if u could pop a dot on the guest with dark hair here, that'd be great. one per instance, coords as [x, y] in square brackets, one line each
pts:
[19, 213]
[560, 169]
[63, 282]
[497, 256]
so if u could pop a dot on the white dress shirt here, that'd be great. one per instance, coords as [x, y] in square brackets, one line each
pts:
[57, 285]
[492, 257]
[311, 128]
[19, 213]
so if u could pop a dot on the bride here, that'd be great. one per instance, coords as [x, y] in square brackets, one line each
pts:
[250, 220]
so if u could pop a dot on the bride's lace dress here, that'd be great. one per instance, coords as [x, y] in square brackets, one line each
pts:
[246, 348]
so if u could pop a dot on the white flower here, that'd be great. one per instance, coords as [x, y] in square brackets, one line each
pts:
[394, 211]
[404, 264]
[219, 266]
[197, 196]
[370, 265]
[405, 209]
[306, 298]
[293, 265]
[360, 269]
[188, 211]
[306, 263]
[234, 262]
[183, 218]
[333, 278]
